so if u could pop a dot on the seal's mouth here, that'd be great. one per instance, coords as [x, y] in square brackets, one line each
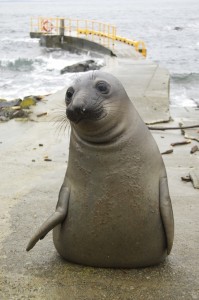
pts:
[78, 114]
[73, 117]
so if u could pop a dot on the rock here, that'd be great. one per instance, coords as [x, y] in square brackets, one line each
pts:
[39, 97]
[28, 101]
[3, 119]
[186, 178]
[83, 66]
[5, 103]
[22, 119]
[178, 28]
[167, 152]
[15, 108]
[194, 149]
[47, 159]
[36, 98]
[19, 114]
[8, 113]
[42, 114]
[185, 142]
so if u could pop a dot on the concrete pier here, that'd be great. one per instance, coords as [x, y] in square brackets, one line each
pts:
[72, 44]
[146, 83]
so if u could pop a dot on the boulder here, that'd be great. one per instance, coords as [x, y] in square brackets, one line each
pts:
[28, 101]
[5, 103]
[83, 66]
[178, 28]
[8, 113]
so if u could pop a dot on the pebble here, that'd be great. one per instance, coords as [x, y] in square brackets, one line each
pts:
[194, 149]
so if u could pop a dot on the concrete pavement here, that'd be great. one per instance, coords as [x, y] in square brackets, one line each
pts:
[28, 195]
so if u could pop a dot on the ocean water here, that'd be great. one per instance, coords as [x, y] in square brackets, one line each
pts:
[170, 30]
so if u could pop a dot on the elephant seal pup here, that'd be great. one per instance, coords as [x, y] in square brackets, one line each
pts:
[114, 208]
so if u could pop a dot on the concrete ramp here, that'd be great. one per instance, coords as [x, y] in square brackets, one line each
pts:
[147, 85]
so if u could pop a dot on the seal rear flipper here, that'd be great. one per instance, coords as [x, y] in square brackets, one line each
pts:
[56, 218]
[166, 212]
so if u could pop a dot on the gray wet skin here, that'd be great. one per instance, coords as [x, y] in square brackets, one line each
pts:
[114, 208]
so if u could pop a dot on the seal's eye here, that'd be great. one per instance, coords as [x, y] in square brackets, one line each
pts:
[103, 87]
[69, 93]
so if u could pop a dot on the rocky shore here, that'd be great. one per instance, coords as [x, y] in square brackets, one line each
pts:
[18, 108]
[21, 108]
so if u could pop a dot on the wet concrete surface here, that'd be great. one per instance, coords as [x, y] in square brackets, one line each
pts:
[147, 85]
[28, 195]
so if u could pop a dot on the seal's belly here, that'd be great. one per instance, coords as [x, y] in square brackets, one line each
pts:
[108, 228]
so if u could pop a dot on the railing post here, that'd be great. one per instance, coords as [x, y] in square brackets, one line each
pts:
[57, 25]
[108, 35]
[77, 26]
[61, 27]
[39, 24]
[113, 36]
[104, 32]
[92, 30]
[86, 28]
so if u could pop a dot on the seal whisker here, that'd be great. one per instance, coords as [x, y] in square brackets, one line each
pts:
[57, 117]
[60, 123]
[61, 128]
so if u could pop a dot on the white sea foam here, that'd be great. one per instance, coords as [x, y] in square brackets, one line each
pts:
[182, 100]
[193, 25]
[21, 40]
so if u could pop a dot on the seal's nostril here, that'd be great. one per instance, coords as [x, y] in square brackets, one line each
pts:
[75, 113]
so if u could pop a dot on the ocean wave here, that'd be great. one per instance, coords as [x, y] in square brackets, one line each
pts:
[13, 45]
[20, 40]
[185, 78]
[181, 27]
[182, 99]
[50, 61]
[19, 64]
[193, 25]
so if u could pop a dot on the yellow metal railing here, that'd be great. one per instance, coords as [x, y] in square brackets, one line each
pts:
[102, 33]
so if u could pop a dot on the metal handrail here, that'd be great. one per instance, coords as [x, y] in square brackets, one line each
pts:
[106, 33]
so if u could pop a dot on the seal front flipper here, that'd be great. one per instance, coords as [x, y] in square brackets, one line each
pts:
[166, 212]
[56, 218]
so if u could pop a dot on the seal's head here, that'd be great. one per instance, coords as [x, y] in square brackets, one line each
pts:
[95, 103]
